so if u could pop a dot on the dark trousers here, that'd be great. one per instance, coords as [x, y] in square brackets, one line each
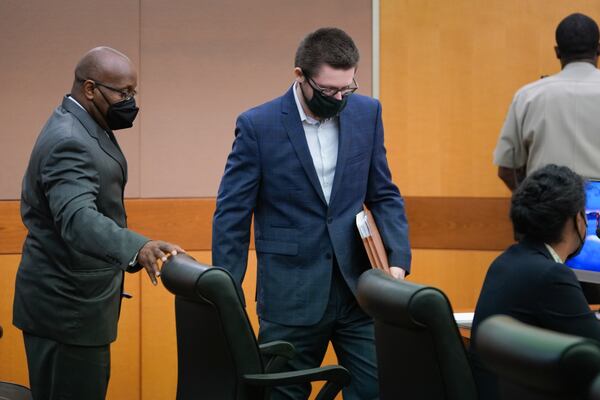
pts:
[59, 371]
[350, 331]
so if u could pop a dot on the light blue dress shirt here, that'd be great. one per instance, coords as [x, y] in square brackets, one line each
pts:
[322, 138]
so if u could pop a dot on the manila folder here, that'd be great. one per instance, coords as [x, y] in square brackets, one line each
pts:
[372, 239]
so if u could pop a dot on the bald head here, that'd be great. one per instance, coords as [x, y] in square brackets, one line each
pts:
[103, 77]
[103, 64]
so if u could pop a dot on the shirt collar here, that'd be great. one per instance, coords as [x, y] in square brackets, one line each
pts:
[553, 253]
[76, 102]
[303, 116]
[579, 65]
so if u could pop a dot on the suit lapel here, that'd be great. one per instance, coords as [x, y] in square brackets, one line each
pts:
[344, 140]
[295, 131]
[112, 148]
[106, 140]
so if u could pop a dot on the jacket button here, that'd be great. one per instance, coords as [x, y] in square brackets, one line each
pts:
[329, 220]
[328, 256]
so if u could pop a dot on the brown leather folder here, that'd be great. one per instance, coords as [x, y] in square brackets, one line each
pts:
[365, 222]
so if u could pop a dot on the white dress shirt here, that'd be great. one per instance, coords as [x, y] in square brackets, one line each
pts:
[554, 254]
[76, 102]
[322, 138]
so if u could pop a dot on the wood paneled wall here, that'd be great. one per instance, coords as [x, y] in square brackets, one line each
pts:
[435, 222]
[449, 70]
[125, 352]
[145, 357]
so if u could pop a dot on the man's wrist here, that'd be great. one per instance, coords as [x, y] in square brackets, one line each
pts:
[134, 259]
[398, 272]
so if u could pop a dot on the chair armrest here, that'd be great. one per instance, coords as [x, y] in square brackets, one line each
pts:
[278, 348]
[336, 376]
[276, 354]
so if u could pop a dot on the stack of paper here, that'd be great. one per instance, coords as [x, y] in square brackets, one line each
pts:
[464, 320]
[372, 240]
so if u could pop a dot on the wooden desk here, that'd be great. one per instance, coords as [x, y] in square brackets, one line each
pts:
[465, 332]
[466, 318]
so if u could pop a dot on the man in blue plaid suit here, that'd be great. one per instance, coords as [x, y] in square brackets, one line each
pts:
[303, 165]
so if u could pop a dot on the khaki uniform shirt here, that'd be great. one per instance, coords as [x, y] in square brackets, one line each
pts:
[555, 120]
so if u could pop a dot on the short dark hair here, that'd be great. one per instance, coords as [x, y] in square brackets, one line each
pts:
[577, 37]
[544, 202]
[331, 46]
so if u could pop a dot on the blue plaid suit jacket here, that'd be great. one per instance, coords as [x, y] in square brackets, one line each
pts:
[270, 175]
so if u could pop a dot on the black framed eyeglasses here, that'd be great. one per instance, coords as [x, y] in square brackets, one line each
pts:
[125, 94]
[330, 92]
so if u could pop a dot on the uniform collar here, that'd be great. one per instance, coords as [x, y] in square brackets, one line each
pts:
[579, 66]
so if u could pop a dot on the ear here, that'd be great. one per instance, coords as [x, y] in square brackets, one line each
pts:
[298, 75]
[557, 51]
[88, 89]
[583, 218]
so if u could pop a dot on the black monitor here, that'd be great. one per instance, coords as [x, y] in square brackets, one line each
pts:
[587, 264]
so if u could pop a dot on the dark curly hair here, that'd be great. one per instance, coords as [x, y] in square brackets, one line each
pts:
[331, 46]
[545, 201]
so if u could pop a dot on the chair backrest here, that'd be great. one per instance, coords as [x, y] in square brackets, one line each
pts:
[594, 392]
[12, 391]
[535, 363]
[216, 345]
[419, 348]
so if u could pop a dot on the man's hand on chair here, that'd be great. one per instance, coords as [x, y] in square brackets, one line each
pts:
[153, 252]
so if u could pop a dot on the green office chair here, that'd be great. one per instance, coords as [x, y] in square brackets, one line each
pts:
[534, 363]
[12, 391]
[420, 352]
[594, 392]
[218, 356]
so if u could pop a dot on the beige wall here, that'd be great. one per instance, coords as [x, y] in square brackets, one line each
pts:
[40, 43]
[201, 63]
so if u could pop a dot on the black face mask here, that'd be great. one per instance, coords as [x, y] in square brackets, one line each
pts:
[324, 106]
[120, 115]
[581, 239]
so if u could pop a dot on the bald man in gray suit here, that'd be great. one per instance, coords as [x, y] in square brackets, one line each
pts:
[70, 280]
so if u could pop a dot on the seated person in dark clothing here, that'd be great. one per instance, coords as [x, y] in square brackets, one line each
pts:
[529, 280]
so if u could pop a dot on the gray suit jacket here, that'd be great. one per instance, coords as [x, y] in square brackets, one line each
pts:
[70, 278]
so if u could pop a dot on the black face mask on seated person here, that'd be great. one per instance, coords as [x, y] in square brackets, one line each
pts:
[581, 239]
